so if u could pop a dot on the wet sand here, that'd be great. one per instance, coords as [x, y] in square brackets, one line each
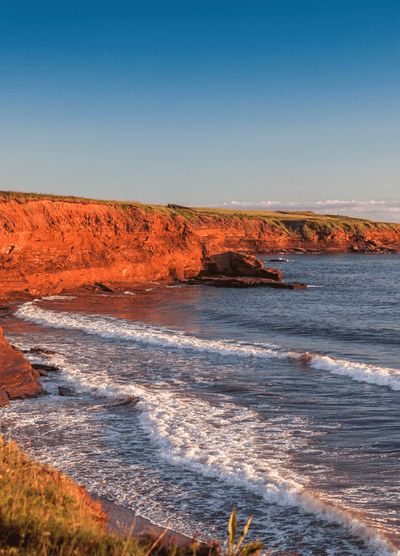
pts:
[123, 521]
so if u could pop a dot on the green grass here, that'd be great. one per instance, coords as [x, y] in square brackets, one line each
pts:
[303, 223]
[44, 513]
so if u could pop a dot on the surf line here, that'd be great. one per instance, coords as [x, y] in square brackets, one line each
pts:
[115, 328]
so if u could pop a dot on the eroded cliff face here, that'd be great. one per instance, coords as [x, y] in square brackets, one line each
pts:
[50, 245]
[17, 377]
[258, 236]
[47, 246]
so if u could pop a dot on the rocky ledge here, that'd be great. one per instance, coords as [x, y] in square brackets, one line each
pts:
[18, 379]
[238, 270]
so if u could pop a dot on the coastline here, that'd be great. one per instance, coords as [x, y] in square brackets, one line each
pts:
[122, 521]
[121, 518]
[125, 522]
[52, 244]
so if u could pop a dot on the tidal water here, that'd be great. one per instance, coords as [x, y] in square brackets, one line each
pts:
[191, 401]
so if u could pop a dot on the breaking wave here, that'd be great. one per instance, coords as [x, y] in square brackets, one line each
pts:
[120, 329]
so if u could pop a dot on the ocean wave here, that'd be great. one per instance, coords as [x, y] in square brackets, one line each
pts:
[168, 338]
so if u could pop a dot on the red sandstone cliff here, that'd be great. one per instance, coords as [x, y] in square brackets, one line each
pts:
[47, 244]
[328, 234]
[17, 377]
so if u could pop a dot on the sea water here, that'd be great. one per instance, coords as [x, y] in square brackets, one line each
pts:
[192, 401]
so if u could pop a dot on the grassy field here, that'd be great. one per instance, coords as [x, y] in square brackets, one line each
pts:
[286, 221]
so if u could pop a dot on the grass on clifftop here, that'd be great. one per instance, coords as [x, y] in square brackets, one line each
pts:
[44, 513]
[303, 223]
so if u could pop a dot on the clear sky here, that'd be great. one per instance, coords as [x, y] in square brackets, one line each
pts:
[264, 104]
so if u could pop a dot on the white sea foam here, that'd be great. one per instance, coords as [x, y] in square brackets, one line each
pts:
[109, 327]
[360, 372]
[53, 297]
[115, 328]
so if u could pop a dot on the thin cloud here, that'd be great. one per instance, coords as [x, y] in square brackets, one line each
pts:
[380, 210]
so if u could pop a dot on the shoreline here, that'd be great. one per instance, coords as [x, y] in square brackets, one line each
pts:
[125, 522]
[121, 521]
[17, 296]
[121, 517]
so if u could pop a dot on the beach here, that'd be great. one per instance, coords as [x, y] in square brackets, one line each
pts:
[123, 521]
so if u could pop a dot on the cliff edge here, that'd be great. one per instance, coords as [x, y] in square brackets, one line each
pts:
[50, 243]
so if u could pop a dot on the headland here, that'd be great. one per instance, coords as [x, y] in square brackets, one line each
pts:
[50, 243]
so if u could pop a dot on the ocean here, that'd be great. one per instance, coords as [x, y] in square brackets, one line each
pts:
[191, 401]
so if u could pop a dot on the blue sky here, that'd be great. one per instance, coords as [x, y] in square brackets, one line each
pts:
[275, 103]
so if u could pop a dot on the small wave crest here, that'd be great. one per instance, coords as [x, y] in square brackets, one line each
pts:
[120, 329]
[54, 297]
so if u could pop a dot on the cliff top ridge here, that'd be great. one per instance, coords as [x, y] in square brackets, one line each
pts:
[287, 220]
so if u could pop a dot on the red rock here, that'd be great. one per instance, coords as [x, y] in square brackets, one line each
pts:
[238, 265]
[42, 350]
[17, 377]
[103, 287]
[65, 391]
[4, 401]
[47, 368]
[242, 282]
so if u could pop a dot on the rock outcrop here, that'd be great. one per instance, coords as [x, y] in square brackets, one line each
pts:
[238, 265]
[17, 377]
[4, 399]
[241, 283]
[238, 270]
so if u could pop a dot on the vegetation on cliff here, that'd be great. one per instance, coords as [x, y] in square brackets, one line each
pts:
[289, 221]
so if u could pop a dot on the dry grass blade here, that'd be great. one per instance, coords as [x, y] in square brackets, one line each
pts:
[156, 542]
[132, 528]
